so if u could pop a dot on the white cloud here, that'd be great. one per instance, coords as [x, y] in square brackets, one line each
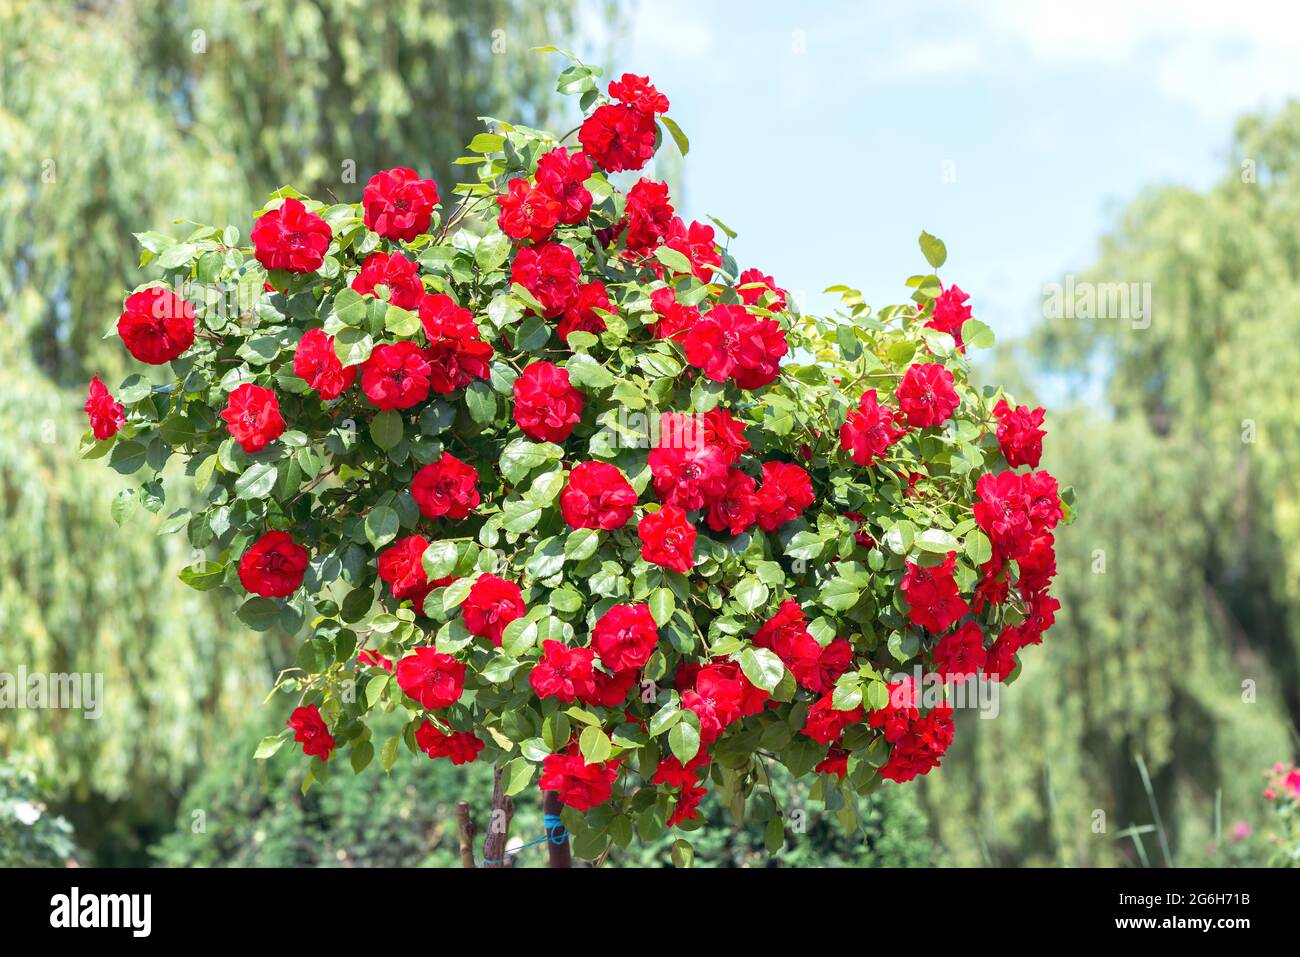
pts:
[1219, 57]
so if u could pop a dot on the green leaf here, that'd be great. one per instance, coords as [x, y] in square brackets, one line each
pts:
[521, 456]
[259, 613]
[362, 753]
[673, 259]
[581, 544]
[203, 576]
[976, 334]
[386, 429]
[683, 145]
[762, 667]
[662, 604]
[585, 371]
[381, 526]
[375, 689]
[683, 854]
[439, 560]
[936, 541]
[750, 593]
[594, 745]
[257, 481]
[350, 307]
[124, 505]
[521, 515]
[684, 741]
[487, 143]
[932, 247]
[978, 547]
[269, 745]
[517, 775]
[492, 250]
[481, 401]
[127, 456]
[838, 595]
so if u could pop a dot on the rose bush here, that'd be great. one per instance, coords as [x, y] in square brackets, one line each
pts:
[547, 471]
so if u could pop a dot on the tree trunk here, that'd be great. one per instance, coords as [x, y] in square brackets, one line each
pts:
[498, 832]
[557, 852]
[465, 831]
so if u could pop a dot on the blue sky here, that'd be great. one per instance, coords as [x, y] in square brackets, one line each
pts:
[829, 134]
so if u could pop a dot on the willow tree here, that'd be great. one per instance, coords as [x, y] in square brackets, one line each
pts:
[1180, 637]
[118, 116]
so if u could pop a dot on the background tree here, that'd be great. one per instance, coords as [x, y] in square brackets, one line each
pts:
[116, 117]
[1181, 581]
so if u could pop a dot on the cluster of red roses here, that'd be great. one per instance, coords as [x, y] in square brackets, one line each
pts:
[699, 463]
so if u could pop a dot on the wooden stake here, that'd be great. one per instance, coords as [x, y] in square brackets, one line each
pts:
[498, 832]
[465, 831]
[557, 854]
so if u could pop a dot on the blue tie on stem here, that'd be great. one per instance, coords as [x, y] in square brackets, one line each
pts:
[555, 833]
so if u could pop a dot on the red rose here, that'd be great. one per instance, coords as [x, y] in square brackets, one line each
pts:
[696, 244]
[1038, 565]
[669, 771]
[156, 325]
[398, 204]
[456, 355]
[581, 786]
[401, 565]
[291, 238]
[618, 137]
[609, 691]
[926, 395]
[687, 807]
[786, 634]
[667, 539]
[550, 272]
[624, 637]
[638, 93]
[950, 313]
[461, 746]
[396, 376]
[581, 316]
[836, 762]
[649, 216]
[961, 654]
[825, 724]
[1002, 511]
[395, 272]
[562, 174]
[433, 679]
[492, 604]
[252, 415]
[729, 343]
[106, 414]
[717, 700]
[675, 319]
[1000, 660]
[547, 407]
[736, 509]
[900, 711]
[1019, 434]
[309, 730]
[921, 747]
[528, 211]
[367, 658]
[932, 595]
[688, 472]
[317, 364]
[563, 672]
[727, 433]
[1040, 615]
[1044, 499]
[447, 487]
[754, 284]
[870, 430]
[273, 566]
[597, 496]
[786, 491]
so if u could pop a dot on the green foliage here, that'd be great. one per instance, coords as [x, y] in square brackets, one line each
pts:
[240, 813]
[162, 110]
[1179, 638]
[30, 834]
